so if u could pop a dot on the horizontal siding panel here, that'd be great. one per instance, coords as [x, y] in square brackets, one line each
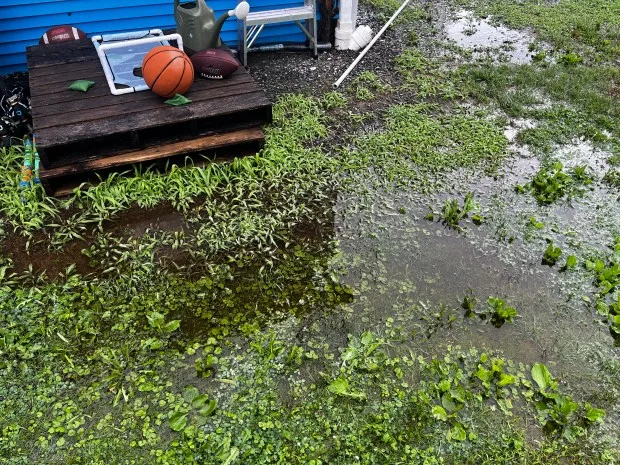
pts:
[22, 22]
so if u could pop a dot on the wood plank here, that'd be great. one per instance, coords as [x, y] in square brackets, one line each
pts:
[61, 80]
[153, 104]
[142, 120]
[62, 53]
[61, 187]
[80, 152]
[59, 94]
[61, 103]
[155, 153]
[68, 68]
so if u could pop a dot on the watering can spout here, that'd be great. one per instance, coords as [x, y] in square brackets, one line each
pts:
[240, 13]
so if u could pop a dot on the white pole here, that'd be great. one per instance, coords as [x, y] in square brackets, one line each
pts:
[346, 24]
[372, 42]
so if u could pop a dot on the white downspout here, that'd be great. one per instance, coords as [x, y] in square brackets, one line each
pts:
[346, 24]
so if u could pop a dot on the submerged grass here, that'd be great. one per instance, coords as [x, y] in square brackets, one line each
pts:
[567, 103]
[590, 28]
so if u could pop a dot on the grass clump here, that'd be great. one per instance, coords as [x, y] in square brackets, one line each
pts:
[551, 183]
[496, 312]
[612, 178]
[418, 143]
[452, 213]
[425, 77]
[584, 105]
[386, 8]
[607, 280]
[367, 85]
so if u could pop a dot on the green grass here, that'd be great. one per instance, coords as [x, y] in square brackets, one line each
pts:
[367, 85]
[425, 77]
[419, 143]
[271, 177]
[582, 102]
[386, 8]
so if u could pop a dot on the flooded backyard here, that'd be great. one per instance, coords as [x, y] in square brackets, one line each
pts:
[421, 267]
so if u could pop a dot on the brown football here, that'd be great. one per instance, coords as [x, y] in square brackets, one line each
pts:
[214, 63]
[62, 33]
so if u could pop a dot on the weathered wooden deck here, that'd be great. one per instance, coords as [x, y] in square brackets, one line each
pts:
[79, 133]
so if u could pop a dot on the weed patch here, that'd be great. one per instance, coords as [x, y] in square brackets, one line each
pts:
[425, 77]
[452, 213]
[367, 85]
[551, 183]
[386, 9]
[418, 143]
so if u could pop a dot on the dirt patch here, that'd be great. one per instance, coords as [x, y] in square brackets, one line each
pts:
[135, 221]
[35, 253]
[41, 260]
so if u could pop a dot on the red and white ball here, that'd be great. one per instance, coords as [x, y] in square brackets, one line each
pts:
[62, 33]
[214, 63]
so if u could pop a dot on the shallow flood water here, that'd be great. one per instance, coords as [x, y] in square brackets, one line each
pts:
[484, 38]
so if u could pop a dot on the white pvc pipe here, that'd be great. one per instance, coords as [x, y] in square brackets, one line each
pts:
[101, 49]
[372, 42]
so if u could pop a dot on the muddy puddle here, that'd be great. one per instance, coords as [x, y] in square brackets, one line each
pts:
[405, 263]
[485, 39]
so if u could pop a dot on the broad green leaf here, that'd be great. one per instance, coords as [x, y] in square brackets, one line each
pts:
[338, 386]
[156, 319]
[505, 380]
[231, 456]
[457, 432]
[447, 402]
[483, 374]
[571, 262]
[190, 393]
[199, 401]
[568, 407]
[543, 378]
[209, 408]
[349, 354]
[439, 413]
[595, 414]
[367, 338]
[177, 100]
[171, 326]
[155, 344]
[537, 224]
[177, 421]
[507, 313]
[458, 394]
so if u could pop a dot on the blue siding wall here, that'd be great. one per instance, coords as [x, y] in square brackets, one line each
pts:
[23, 22]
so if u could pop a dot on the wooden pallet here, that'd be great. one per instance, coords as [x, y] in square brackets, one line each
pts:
[63, 179]
[78, 133]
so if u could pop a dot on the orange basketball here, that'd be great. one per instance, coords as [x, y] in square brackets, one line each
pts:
[167, 71]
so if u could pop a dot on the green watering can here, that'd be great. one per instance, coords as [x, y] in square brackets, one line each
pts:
[198, 27]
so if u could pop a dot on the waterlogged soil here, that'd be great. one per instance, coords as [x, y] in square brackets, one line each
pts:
[398, 260]
[404, 269]
[33, 253]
